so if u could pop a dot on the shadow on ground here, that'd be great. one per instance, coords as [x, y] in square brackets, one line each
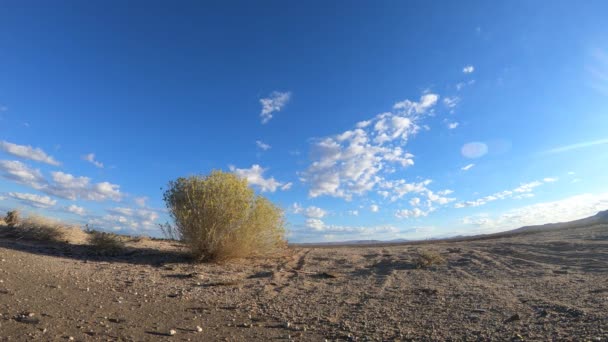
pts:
[130, 255]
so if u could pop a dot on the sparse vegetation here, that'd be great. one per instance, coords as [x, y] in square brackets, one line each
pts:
[427, 259]
[103, 243]
[12, 218]
[39, 228]
[219, 217]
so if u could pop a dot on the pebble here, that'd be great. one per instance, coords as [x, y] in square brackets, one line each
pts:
[172, 332]
[199, 329]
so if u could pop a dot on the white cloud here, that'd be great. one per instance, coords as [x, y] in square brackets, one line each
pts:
[262, 146]
[414, 202]
[412, 213]
[451, 102]
[374, 208]
[310, 212]
[567, 209]
[468, 69]
[273, 103]
[467, 167]
[320, 226]
[33, 200]
[522, 191]
[356, 161]
[255, 176]
[76, 210]
[453, 125]
[461, 85]
[21, 173]
[550, 179]
[133, 219]
[28, 152]
[577, 146]
[427, 101]
[353, 212]
[286, 186]
[63, 185]
[141, 201]
[401, 187]
[91, 159]
[71, 187]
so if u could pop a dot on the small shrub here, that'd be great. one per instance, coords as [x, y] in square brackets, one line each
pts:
[428, 259]
[39, 228]
[12, 218]
[219, 217]
[104, 243]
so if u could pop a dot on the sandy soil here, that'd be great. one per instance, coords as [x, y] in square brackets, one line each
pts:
[542, 286]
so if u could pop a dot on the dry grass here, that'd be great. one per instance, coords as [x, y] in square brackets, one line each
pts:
[219, 217]
[427, 259]
[103, 243]
[38, 228]
[12, 218]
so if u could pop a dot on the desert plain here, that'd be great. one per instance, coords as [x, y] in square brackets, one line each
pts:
[523, 286]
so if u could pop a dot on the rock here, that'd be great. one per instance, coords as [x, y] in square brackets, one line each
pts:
[512, 318]
[199, 329]
[172, 332]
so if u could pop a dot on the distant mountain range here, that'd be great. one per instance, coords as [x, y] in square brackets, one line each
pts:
[599, 218]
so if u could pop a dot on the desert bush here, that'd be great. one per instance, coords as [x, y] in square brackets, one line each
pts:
[12, 218]
[103, 243]
[39, 228]
[428, 259]
[219, 217]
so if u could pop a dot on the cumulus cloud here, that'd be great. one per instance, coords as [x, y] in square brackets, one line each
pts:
[467, 167]
[141, 201]
[309, 212]
[453, 125]
[468, 69]
[374, 208]
[413, 213]
[129, 219]
[76, 210]
[524, 190]
[255, 176]
[71, 187]
[91, 159]
[62, 184]
[33, 200]
[262, 146]
[320, 226]
[21, 173]
[28, 152]
[356, 161]
[353, 212]
[567, 209]
[273, 103]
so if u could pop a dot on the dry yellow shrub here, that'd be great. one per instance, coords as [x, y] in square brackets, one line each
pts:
[219, 217]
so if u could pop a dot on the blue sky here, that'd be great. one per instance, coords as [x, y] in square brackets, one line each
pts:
[363, 120]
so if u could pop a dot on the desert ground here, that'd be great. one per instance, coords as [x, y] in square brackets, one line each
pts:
[550, 285]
